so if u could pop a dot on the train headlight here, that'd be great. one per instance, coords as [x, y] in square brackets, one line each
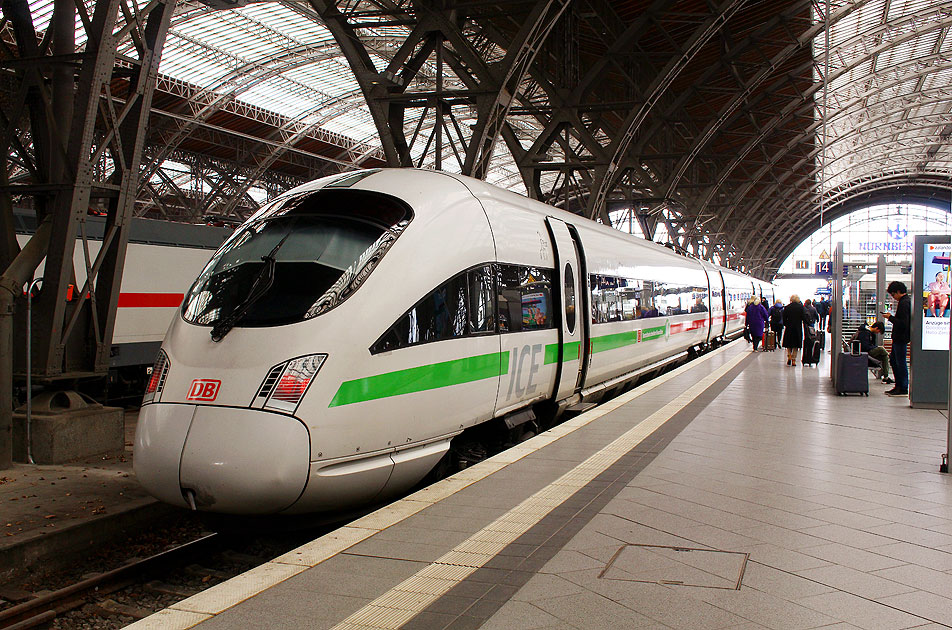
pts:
[286, 383]
[160, 371]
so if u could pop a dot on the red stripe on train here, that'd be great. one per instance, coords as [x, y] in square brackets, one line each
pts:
[686, 326]
[150, 300]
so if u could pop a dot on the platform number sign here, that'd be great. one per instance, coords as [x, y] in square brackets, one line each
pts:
[824, 266]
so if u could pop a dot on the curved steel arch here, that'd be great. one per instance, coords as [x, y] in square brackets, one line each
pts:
[806, 134]
[621, 143]
[726, 114]
[810, 195]
[878, 185]
[895, 191]
[792, 110]
[241, 80]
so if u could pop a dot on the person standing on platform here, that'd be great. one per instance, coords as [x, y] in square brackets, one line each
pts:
[823, 310]
[776, 319]
[795, 319]
[756, 321]
[901, 334]
[812, 312]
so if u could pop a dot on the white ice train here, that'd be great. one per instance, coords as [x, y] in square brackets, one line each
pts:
[337, 343]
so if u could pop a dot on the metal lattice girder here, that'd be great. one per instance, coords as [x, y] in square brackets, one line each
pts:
[469, 74]
[112, 97]
[810, 194]
[859, 91]
[625, 135]
[204, 104]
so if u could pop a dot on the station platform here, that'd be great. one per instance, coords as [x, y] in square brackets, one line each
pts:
[51, 515]
[734, 492]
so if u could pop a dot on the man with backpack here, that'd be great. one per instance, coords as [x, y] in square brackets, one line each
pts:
[776, 319]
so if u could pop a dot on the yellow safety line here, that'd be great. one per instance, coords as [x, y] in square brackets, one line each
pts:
[455, 566]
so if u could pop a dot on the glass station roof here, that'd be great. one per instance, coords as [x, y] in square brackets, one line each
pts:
[887, 110]
[890, 92]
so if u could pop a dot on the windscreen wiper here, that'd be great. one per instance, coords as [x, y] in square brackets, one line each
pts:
[262, 283]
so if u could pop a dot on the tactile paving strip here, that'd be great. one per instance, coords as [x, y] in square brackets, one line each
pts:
[398, 606]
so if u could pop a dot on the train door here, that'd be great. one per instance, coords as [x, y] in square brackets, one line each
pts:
[711, 307]
[722, 328]
[573, 346]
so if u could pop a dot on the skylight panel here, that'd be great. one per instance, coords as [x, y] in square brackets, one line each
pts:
[191, 62]
[281, 95]
[899, 8]
[938, 79]
[330, 77]
[354, 123]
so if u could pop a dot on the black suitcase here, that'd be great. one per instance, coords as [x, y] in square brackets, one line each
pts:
[812, 349]
[851, 374]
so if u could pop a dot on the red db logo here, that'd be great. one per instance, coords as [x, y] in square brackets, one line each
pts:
[203, 389]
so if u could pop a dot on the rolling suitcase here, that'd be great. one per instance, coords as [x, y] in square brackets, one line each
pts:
[770, 341]
[851, 374]
[812, 349]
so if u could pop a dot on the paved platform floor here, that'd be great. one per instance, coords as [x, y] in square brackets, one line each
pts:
[736, 492]
[58, 512]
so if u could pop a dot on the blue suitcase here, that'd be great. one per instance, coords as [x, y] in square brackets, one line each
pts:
[851, 374]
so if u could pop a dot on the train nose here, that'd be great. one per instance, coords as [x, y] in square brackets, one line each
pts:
[239, 461]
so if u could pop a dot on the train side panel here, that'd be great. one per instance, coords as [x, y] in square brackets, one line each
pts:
[651, 316]
[523, 242]
[737, 291]
[154, 281]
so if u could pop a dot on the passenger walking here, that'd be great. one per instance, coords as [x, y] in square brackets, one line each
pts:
[812, 313]
[795, 319]
[776, 319]
[756, 321]
[901, 322]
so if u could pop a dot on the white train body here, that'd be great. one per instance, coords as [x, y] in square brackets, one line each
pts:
[350, 402]
[162, 260]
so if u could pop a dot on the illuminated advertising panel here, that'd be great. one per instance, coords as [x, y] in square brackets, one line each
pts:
[935, 296]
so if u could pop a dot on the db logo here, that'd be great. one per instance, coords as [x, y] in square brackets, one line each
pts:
[203, 389]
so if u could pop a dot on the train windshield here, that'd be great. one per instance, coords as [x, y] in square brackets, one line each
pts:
[299, 258]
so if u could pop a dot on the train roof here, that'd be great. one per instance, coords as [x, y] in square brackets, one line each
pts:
[143, 231]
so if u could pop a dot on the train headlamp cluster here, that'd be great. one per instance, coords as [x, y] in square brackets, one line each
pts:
[286, 383]
[153, 391]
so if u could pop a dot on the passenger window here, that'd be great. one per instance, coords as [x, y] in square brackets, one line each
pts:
[440, 315]
[482, 290]
[650, 300]
[524, 298]
[569, 298]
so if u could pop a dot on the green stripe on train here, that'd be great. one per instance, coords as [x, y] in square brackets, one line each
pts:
[469, 369]
[422, 378]
[620, 340]
[570, 353]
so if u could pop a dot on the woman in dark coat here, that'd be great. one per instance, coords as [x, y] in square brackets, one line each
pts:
[794, 319]
[756, 321]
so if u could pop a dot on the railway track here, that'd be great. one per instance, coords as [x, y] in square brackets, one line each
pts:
[115, 598]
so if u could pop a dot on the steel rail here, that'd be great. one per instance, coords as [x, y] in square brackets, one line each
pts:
[42, 609]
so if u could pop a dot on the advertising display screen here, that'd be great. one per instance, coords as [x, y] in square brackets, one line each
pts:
[935, 296]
